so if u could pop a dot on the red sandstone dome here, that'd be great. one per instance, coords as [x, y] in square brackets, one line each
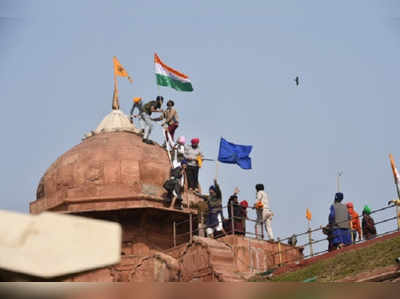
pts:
[109, 170]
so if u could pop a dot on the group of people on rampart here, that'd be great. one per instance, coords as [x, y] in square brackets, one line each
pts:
[344, 226]
[186, 161]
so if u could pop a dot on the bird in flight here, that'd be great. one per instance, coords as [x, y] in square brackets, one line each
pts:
[297, 80]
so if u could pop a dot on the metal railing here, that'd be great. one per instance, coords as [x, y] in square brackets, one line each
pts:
[187, 236]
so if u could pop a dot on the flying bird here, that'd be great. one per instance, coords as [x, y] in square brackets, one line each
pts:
[297, 80]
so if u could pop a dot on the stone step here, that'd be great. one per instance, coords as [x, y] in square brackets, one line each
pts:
[211, 243]
[224, 268]
[221, 256]
[233, 280]
[230, 276]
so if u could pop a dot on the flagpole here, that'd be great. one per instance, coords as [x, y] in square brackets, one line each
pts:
[310, 238]
[216, 163]
[339, 174]
[396, 182]
[115, 103]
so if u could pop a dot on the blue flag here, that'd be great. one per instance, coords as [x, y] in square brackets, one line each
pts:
[235, 154]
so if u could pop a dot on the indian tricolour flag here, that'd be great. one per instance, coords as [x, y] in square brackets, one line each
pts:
[167, 76]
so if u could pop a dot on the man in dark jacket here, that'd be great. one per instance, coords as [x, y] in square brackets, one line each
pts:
[233, 206]
[339, 219]
[174, 186]
[214, 216]
[202, 212]
[368, 224]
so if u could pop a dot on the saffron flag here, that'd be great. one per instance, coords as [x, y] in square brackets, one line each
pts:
[167, 76]
[395, 174]
[235, 154]
[308, 214]
[119, 70]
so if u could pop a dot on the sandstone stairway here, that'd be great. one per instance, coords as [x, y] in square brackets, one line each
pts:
[221, 260]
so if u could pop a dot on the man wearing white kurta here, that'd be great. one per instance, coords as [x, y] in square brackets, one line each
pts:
[262, 200]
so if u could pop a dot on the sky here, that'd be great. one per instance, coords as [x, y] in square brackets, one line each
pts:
[56, 84]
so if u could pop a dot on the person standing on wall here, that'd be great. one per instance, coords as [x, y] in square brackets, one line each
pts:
[170, 123]
[214, 216]
[368, 224]
[233, 206]
[138, 103]
[264, 212]
[148, 109]
[192, 154]
[355, 222]
[339, 219]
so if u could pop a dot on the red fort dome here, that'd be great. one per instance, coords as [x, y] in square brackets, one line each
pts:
[110, 169]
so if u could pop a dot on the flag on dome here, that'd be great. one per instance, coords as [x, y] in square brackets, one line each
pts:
[167, 76]
[119, 70]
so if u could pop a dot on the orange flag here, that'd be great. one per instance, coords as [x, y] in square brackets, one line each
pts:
[119, 70]
[308, 215]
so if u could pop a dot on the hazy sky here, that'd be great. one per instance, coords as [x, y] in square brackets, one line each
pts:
[56, 85]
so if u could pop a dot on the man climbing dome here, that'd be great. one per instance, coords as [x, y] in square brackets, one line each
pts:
[137, 103]
[264, 213]
[170, 123]
[339, 219]
[148, 109]
[194, 157]
[178, 151]
[355, 222]
[368, 224]
[214, 217]
[174, 186]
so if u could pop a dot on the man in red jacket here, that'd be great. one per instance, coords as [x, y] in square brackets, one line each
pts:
[355, 222]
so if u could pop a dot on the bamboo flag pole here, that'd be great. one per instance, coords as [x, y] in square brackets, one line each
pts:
[309, 216]
[396, 182]
[310, 238]
[339, 174]
[120, 71]
[115, 103]
[216, 164]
